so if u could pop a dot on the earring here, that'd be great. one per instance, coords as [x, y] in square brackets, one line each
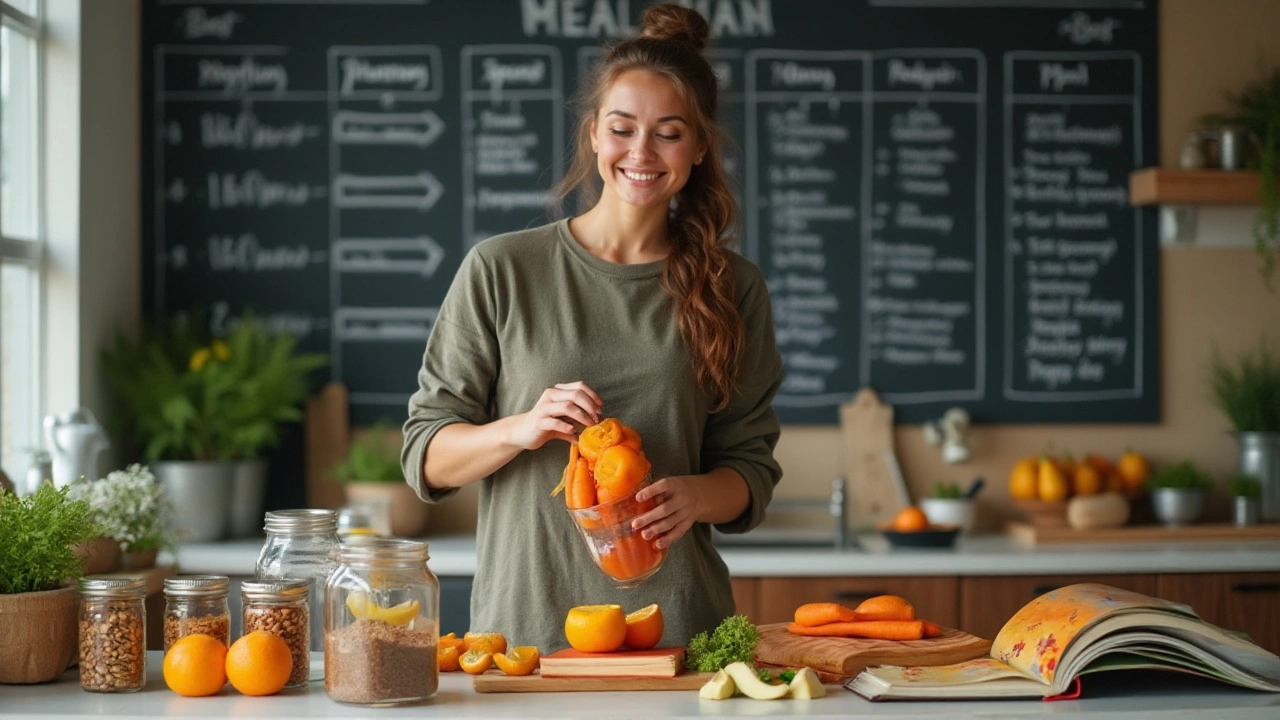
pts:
[595, 149]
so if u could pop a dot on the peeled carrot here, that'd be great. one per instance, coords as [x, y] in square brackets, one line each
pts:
[931, 630]
[582, 489]
[815, 614]
[875, 629]
[884, 607]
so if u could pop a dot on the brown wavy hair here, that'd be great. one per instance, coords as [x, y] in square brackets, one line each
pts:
[702, 226]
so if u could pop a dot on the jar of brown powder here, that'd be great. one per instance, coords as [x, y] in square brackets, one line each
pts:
[280, 608]
[382, 608]
[196, 604]
[113, 636]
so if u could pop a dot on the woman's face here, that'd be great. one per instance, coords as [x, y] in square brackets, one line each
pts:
[645, 145]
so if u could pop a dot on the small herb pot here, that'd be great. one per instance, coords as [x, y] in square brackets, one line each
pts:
[1245, 510]
[1177, 506]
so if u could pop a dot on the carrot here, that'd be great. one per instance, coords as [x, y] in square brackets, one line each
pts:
[568, 470]
[931, 630]
[814, 614]
[582, 489]
[876, 629]
[884, 607]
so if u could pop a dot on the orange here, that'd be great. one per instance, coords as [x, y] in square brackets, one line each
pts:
[644, 628]
[599, 437]
[1022, 479]
[520, 661]
[474, 662]
[1134, 470]
[596, 628]
[631, 439]
[619, 470]
[447, 658]
[195, 666]
[259, 663]
[1051, 484]
[451, 640]
[490, 642]
[1086, 481]
[910, 519]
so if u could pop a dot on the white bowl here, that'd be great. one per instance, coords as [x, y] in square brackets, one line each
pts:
[949, 511]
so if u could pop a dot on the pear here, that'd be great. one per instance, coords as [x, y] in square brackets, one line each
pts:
[719, 687]
[806, 685]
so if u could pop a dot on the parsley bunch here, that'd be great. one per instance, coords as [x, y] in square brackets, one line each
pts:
[733, 641]
[36, 535]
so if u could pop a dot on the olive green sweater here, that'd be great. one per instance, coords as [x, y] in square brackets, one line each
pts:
[533, 308]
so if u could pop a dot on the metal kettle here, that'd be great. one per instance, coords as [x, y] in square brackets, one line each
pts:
[75, 439]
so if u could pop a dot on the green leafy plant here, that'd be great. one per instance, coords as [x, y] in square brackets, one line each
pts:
[734, 640]
[371, 459]
[1182, 476]
[1248, 391]
[1257, 110]
[1245, 486]
[947, 490]
[36, 535]
[130, 507]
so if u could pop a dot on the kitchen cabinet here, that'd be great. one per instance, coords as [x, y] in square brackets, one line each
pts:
[987, 603]
[933, 597]
[1235, 601]
[746, 597]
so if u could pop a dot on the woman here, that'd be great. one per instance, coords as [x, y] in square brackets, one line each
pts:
[635, 309]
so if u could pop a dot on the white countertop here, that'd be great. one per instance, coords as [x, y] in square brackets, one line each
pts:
[1149, 696]
[977, 555]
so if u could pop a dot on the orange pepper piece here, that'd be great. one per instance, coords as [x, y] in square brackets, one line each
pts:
[447, 658]
[582, 487]
[599, 437]
[520, 661]
[619, 470]
[474, 662]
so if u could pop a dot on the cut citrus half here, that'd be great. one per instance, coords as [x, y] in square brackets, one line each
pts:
[474, 662]
[520, 661]
[447, 658]
[490, 642]
[644, 628]
[362, 607]
[596, 628]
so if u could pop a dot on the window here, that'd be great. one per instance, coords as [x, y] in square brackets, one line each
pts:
[21, 246]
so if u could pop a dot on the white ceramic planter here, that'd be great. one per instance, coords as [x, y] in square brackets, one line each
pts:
[950, 511]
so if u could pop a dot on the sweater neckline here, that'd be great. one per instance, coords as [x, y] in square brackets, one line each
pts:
[633, 271]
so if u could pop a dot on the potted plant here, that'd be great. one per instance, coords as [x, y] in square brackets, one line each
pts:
[371, 472]
[38, 610]
[1248, 393]
[1247, 492]
[1177, 493]
[132, 510]
[949, 505]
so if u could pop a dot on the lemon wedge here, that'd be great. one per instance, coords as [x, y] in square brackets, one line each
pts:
[365, 609]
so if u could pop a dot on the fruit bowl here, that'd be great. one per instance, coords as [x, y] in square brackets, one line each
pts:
[1044, 513]
[932, 536]
[620, 552]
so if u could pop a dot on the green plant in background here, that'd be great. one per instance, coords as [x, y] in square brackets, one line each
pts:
[1183, 476]
[1248, 391]
[36, 535]
[371, 459]
[1245, 486]
[1257, 111]
[130, 507]
[947, 490]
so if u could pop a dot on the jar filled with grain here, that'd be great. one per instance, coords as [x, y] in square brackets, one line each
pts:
[382, 624]
[113, 636]
[196, 604]
[301, 544]
[281, 608]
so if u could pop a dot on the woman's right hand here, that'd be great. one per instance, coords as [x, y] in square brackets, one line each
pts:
[557, 415]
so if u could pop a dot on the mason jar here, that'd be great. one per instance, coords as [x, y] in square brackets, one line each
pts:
[113, 634]
[280, 607]
[382, 624]
[196, 605]
[301, 544]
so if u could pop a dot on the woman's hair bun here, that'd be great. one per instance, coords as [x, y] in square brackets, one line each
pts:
[669, 21]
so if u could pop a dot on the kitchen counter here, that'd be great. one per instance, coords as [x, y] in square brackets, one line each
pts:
[978, 555]
[1151, 695]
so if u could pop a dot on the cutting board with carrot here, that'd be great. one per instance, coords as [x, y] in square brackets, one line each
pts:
[846, 656]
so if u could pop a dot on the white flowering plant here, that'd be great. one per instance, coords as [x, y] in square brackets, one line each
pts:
[130, 507]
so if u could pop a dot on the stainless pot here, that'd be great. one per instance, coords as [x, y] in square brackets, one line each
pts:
[200, 493]
[1260, 457]
[1177, 506]
[248, 488]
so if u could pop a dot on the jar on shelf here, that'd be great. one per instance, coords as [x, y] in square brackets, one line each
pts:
[301, 544]
[382, 624]
[113, 634]
[196, 605]
[281, 608]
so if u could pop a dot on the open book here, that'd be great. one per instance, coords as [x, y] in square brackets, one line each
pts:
[1079, 629]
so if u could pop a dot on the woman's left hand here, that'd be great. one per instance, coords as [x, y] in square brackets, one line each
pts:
[679, 502]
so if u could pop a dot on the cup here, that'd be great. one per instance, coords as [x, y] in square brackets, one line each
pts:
[619, 551]
[949, 511]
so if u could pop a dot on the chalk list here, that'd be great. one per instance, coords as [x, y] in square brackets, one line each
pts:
[936, 192]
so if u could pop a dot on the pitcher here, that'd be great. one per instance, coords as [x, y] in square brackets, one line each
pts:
[75, 439]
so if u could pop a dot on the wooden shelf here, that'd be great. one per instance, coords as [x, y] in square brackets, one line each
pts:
[1170, 186]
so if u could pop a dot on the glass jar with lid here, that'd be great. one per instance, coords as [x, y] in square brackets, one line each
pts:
[301, 544]
[196, 604]
[280, 607]
[382, 624]
[113, 634]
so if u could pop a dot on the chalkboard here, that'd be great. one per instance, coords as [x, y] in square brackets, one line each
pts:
[936, 190]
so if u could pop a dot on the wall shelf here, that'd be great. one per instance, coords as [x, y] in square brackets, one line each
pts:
[1172, 186]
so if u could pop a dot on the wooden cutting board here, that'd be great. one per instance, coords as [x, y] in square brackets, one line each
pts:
[866, 439]
[495, 681]
[849, 656]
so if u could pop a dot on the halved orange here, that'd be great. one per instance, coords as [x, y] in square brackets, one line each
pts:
[599, 437]
[447, 658]
[520, 661]
[631, 438]
[595, 628]
[474, 662]
[644, 628]
[619, 470]
[490, 642]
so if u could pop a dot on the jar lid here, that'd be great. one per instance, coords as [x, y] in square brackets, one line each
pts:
[368, 549]
[277, 590]
[130, 586]
[196, 585]
[301, 521]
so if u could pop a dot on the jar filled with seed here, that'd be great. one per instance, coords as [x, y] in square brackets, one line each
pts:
[113, 636]
[301, 544]
[196, 604]
[280, 608]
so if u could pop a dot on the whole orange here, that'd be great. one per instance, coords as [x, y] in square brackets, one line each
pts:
[1022, 479]
[259, 663]
[644, 628]
[1134, 470]
[910, 519]
[596, 628]
[195, 666]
